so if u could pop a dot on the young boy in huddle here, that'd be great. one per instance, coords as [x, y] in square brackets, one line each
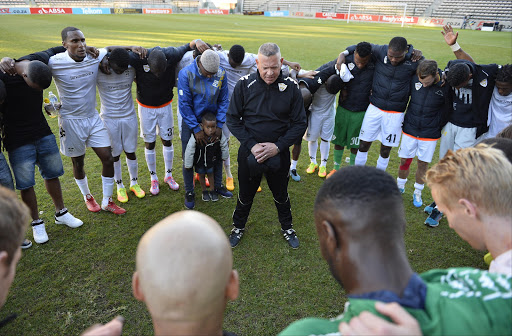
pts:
[203, 156]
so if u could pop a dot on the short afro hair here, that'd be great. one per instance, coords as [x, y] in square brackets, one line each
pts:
[458, 74]
[120, 57]
[504, 74]
[333, 84]
[398, 43]
[157, 61]
[39, 74]
[364, 49]
[65, 31]
[237, 53]
[208, 116]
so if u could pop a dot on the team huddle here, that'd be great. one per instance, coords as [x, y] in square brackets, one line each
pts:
[389, 93]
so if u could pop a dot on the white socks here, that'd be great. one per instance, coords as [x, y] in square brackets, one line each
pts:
[118, 175]
[227, 167]
[293, 164]
[418, 188]
[108, 189]
[133, 170]
[324, 152]
[401, 182]
[151, 161]
[312, 148]
[84, 186]
[361, 158]
[168, 157]
[382, 163]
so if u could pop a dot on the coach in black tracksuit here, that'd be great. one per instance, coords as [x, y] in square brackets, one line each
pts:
[267, 116]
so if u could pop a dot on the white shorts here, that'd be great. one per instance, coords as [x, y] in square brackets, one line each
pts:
[455, 137]
[156, 121]
[383, 126]
[123, 134]
[77, 134]
[411, 147]
[320, 125]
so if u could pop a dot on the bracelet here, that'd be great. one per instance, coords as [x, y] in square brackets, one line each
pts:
[455, 47]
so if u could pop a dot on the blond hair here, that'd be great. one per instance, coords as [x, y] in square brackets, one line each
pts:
[480, 174]
[14, 218]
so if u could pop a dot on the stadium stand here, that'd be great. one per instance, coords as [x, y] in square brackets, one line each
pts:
[474, 9]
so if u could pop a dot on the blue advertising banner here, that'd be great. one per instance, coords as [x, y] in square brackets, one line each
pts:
[91, 10]
[277, 13]
[14, 10]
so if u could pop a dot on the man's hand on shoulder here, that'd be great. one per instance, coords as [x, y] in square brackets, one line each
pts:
[7, 66]
[93, 51]
[200, 137]
[416, 55]
[217, 134]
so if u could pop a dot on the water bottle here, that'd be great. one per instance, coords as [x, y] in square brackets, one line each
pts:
[53, 101]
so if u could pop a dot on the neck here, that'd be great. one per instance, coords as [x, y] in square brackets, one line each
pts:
[21, 67]
[375, 268]
[210, 325]
[498, 234]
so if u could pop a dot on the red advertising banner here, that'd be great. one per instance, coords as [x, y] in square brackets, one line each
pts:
[46, 10]
[157, 11]
[214, 11]
[340, 16]
[364, 17]
[398, 19]
[298, 14]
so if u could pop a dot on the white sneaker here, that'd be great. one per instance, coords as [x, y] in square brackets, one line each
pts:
[39, 232]
[69, 220]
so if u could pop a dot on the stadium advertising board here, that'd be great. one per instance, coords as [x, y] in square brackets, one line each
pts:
[14, 10]
[46, 10]
[298, 14]
[364, 17]
[277, 13]
[126, 10]
[340, 16]
[455, 23]
[157, 11]
[398, 19]
[91, 10]
[214, 11]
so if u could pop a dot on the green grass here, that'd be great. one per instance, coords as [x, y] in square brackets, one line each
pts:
[83, 276]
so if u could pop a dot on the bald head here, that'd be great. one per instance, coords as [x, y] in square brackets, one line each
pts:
[184, 264]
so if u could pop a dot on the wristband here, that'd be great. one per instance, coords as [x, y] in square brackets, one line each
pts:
[455, 47]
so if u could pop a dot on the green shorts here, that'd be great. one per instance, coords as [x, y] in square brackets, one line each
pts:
[347, 125]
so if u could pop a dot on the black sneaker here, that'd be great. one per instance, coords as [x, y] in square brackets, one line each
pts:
[26, 244]
[291, 238]
[206, 196]
[235, 236]
[214, 196]
[190, 200]
[224, 192]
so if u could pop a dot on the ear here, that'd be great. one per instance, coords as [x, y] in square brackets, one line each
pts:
[4, 267]
[469, 208]
[64, 44]
[137, 291]
[281, 60]
[328, 236]
[233, 286]
[257, 61]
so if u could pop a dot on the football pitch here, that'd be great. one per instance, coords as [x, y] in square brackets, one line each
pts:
[83, 276]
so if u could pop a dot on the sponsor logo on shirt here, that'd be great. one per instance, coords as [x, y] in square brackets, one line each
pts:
[282, 86]
[440, 93]
[418, 86]
[215, 83]
[146, 67]
[85, 74]
[385, 60]
[351, 66]
[484, 82]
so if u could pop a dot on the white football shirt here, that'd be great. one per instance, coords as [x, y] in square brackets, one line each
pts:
[76, 84]
[500, 113]
[116, 94]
